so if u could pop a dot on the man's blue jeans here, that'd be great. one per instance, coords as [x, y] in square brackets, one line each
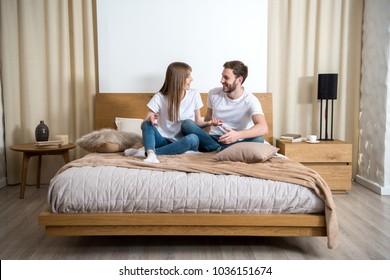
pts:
[209, 142]
[153, 140]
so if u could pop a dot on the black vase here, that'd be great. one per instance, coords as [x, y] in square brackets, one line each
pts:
[41, 132]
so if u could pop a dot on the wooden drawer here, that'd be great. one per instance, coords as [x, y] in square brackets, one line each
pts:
[337, 176]
[331, 151]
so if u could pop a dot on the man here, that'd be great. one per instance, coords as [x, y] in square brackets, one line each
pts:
[233, 113]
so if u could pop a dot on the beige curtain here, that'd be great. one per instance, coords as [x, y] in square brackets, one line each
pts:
[308, 37]
[48, 73]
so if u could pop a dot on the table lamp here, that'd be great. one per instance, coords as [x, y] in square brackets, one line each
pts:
[327, 90]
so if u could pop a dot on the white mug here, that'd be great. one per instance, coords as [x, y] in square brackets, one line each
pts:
[312, 138]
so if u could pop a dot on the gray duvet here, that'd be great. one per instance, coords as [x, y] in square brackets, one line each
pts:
[119, 189]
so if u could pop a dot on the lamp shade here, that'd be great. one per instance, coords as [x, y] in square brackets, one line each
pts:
[327, 86]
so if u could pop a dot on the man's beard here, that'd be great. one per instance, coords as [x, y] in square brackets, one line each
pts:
[230, 88]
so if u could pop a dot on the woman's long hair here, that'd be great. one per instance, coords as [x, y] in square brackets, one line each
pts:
[174, 87]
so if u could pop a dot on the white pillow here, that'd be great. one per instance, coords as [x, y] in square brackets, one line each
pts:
[129, 125]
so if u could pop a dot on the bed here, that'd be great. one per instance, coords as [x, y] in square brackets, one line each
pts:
[189, 194]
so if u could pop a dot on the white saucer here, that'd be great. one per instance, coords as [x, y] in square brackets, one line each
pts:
[313, 142]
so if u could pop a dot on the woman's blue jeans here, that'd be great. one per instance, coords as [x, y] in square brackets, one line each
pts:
[153, 140]
[209, 142]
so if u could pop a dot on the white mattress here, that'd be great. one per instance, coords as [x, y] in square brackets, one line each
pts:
[117, 189]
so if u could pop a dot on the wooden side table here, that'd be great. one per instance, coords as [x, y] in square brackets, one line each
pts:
[30, 150]
[331, 159]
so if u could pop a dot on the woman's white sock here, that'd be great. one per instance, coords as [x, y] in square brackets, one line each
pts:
[152, 158]
[135, 152]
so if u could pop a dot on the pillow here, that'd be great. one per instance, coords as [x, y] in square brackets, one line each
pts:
[109, 141]
[249, 152]
[129, 125]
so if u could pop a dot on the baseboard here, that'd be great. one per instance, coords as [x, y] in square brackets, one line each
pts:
[372, 185]
[3, 182]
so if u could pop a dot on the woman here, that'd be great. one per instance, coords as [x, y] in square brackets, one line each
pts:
[174, 103]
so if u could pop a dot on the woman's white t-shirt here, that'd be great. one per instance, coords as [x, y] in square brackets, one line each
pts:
[159, 104]
[235, 113]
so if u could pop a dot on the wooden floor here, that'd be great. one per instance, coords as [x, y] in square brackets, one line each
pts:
[364, 221]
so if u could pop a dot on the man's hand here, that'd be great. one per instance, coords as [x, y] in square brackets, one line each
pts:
[214, 122]
[230, 137]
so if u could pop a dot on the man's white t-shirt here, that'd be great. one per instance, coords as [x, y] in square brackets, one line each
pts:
[159, 104]
[236, 114]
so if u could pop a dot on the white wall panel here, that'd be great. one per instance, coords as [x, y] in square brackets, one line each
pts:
[137, 40]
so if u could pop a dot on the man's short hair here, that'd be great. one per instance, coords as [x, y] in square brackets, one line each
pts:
[239, 68]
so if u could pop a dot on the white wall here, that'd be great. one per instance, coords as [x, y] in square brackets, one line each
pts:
[374, 148]
[137, 40]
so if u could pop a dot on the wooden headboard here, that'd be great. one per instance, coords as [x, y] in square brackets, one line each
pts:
[108, 106]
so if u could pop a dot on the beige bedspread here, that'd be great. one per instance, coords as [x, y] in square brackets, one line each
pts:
[277, 169]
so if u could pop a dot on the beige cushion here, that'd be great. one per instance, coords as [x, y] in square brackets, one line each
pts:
[129, 125]
[249, 152]
[109, 141]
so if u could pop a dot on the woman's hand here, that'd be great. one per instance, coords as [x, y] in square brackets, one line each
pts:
[154, 119]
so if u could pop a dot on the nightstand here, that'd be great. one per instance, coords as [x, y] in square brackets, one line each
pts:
[30, 150]
[331, 159]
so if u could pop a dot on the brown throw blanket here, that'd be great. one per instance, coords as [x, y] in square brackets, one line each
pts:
[277, 169]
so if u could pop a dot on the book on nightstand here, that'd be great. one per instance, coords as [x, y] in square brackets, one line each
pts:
[291, 137]
[49, 143]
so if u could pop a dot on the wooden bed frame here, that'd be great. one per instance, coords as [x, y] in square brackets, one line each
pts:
[109, 106]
